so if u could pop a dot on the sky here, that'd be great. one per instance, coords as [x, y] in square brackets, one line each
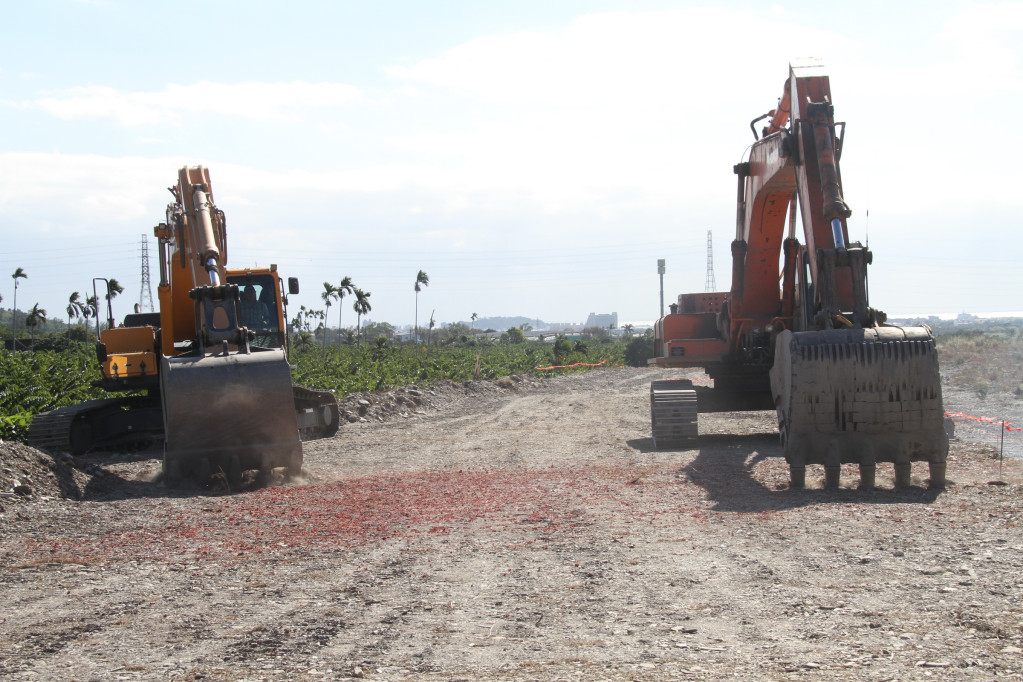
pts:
[534, 158]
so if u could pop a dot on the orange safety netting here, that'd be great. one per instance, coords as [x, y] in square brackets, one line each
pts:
[985, 420]
[576, 364]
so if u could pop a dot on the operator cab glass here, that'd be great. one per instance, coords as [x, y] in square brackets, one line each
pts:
[258, 308]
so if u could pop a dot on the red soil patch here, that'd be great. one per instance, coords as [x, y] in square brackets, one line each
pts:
[282, 522]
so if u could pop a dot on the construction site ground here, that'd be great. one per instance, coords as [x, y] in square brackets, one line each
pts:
[516, 529]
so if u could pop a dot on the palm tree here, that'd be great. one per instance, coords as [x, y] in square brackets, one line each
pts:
[345, 287]
[74, 309]
[422, 280]
[113, 289]
[328, 294]
[361, 307]
[36, 317]
[320, 315]
[18, 274]
[430, 335]
[473, 319]
[90, 309]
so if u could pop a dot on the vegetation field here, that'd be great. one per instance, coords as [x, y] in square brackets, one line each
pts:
[59, 371]
[37, 381]
[987, 362]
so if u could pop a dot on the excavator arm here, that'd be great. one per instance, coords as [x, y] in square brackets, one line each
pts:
[790, 167]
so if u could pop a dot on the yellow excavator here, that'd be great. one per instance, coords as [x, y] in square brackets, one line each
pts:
[209, 372]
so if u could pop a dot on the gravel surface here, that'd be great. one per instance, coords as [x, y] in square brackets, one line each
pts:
[518, 529]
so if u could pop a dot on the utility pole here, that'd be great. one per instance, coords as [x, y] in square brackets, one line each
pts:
[660, 271]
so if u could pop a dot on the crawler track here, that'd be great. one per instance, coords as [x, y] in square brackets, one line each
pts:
[673, 412]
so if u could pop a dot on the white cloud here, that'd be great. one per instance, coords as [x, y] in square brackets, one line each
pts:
[97, 188]
[614, 112]
[282, 101]
[615, 102]
[90, 187]
[615, 57]
[988, 39]
[939, 122]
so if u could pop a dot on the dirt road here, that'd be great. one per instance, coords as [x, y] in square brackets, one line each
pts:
[525, 530]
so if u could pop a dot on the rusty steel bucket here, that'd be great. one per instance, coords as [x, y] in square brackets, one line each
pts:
[860, 396]
[229, 412]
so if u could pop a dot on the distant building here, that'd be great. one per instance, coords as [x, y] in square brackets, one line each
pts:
[605, 320]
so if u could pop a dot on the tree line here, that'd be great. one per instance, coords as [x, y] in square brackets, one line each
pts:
[78, 308]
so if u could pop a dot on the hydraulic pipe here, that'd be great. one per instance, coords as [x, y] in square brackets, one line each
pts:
[211, 267]
[780, 114]
[741, 170]
[836, 230]
[831, 188]
[207, 246]
[792, 216]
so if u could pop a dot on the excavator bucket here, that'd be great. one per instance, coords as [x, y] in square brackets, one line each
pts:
[229, 413]
[860, 396]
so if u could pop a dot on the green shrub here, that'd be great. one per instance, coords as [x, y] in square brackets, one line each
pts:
[638, 351]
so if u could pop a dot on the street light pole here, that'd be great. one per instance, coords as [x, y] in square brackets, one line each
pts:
[660, 271]
[110, 312]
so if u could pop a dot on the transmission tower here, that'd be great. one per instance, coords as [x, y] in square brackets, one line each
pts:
[711, 285]
[146, 295]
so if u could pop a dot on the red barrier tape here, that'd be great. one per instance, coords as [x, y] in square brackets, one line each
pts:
[577, 364]
[985, 420]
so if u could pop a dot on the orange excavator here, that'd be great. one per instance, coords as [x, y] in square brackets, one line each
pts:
[209, 372]
[796, 332]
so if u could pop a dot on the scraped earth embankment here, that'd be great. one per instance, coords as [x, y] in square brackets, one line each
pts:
[516, 530]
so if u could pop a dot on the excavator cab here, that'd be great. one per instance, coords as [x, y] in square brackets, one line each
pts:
[261, 307]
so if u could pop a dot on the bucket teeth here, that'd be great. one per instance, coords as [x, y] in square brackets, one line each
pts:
[860, 396]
